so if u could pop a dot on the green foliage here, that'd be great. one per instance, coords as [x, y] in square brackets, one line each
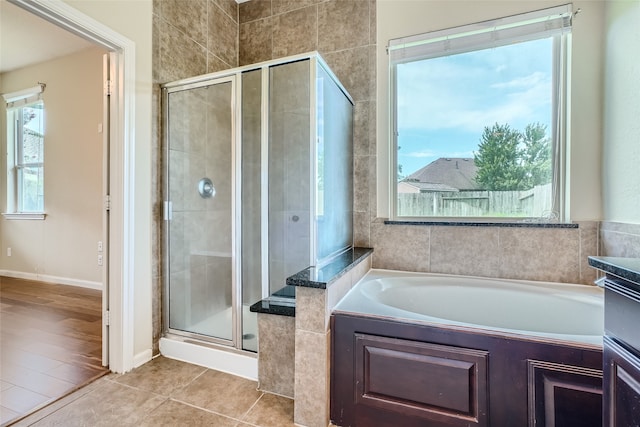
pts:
[510, 160]
[536, 155]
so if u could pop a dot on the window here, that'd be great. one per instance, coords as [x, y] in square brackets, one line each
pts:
[25, 153]
[478, 119]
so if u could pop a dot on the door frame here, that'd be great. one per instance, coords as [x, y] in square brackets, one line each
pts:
[121, 174]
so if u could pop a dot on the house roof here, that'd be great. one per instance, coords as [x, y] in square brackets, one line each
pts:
[445, 174]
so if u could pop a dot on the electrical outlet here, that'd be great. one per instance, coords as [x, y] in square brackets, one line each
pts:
[8, 251]
[99, 259]
[100, 246]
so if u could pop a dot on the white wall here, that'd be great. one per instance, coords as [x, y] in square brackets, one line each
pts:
[133, 20]
[621, 151]
[397, 18]
[63, 247]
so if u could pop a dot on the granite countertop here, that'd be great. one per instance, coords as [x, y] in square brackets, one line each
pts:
[280, 307]
[283, 303]
[320, 278]
[625, 268]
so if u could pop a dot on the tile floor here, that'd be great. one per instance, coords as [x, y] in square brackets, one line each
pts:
[166, 392]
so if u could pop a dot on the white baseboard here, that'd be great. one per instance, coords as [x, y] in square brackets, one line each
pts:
[245, 366]
[52, 279]
[142, 357]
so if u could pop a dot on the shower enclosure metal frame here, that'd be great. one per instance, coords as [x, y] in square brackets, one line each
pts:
[234, 76]
[184, 85]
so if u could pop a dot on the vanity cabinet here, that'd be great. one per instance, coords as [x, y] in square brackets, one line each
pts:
[621, 358]
[622, 392]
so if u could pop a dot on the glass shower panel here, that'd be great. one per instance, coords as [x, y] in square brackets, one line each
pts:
[334, 168]
[289, 171]
[200, 233]
[251, 204]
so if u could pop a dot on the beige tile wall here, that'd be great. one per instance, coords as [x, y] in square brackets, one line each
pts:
[276, 354]
[620, 239]
[344, 32]
[514, 253]
[313, 346]
[190, 37]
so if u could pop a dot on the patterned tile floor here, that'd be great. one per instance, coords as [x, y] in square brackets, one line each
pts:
[166, 392]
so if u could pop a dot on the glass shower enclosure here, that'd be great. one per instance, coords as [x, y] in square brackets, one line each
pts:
[257, 186]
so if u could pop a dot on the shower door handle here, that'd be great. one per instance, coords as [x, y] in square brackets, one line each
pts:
[168, 210]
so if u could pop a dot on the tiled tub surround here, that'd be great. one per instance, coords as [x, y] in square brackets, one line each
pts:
[293, 355]
[525, 253]
[620, 239]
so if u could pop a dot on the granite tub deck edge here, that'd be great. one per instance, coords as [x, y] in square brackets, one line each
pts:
[282, 302]
[321, 278]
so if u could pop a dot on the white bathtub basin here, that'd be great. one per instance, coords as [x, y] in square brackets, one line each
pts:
[541, 309]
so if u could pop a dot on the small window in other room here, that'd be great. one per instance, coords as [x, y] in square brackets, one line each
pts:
[25, 153]
[29, 157]
[478, 119]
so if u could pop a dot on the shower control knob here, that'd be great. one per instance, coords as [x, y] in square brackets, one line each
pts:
[295, 218]
[206, 188]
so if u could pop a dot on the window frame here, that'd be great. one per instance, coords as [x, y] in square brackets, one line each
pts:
[15, 103]
[410, 49]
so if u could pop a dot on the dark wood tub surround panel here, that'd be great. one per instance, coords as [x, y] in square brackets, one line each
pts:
[622, 381]
[561, 395]
[392, 373]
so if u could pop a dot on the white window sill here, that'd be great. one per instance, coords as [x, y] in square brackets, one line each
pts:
[25, 215]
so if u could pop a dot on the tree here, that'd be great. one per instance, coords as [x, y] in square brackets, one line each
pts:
[510, 160]
[498, 159]
[537, 155]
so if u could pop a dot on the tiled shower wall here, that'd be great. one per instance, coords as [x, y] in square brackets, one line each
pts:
[190, 37]
[344, 32]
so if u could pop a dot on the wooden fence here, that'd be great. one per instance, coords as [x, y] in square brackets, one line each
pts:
[531, 203]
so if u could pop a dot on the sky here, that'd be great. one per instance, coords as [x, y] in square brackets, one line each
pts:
[445, 103]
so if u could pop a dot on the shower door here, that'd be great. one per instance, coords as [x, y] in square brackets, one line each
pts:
[200, 210]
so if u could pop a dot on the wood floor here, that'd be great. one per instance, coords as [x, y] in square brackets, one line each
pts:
[51, 343]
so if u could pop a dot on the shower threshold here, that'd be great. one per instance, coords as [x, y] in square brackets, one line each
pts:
[214, 356]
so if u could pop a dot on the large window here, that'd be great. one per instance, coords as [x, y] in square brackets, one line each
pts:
[25, 152]
[478, 119]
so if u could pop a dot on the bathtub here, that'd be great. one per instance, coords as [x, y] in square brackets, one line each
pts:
[416, 349]
[566, 312]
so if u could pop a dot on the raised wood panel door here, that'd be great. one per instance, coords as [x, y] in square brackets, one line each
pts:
[430, 384]
[622, 379]
[564, 395]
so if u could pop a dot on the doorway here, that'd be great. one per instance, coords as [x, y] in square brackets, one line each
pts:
[117, 308]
